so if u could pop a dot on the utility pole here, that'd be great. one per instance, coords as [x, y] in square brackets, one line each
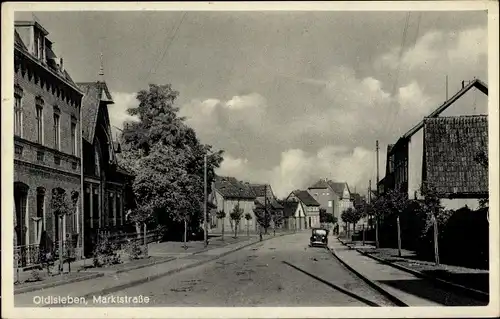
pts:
[370, 191]
[377, 148]
[265, 209]
[205, 203]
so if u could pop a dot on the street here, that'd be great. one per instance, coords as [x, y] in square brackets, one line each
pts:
[282, 271]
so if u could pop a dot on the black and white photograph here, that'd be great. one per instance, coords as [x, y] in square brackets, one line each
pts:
[206, 157]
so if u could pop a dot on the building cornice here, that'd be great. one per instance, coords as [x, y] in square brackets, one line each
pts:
[47, 169]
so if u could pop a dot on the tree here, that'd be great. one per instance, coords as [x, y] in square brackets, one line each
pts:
[167, 160]
[432, 204]
[277, 218]
[262, 216]
[355, 214]
[235, 216]
[346, 218]
[248, 217]
[61, 207]
[379, 210]
[397, 202]
[221, 215]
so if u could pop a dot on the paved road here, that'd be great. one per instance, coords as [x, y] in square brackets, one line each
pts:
[277, 272]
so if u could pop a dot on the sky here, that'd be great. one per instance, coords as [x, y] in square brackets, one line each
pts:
[290, 97]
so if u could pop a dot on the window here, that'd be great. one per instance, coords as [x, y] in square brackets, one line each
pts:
[36, 48]
[111, 205]
[74, 145]
[119, 208]
[57, 132]
[316, 194]
[97, 161]
[39, 120]
[327, 194]
[330, 203]
[18, 116]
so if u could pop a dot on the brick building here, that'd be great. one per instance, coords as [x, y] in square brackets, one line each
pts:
[47, 156]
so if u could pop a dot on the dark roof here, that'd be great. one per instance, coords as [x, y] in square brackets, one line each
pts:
[451, 145]
[90, 106]
[320, 184]
[305, 198]
[337, 187]
[230, 187]
[273, 203]
[478, 84]
[261, 189]
[19, 42]
[290, 208]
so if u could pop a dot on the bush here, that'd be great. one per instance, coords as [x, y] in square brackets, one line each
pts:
[133, 250]
[34, 276]
[106, 253]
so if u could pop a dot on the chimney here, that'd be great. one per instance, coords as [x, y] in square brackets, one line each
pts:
[62, 65]
[463, 84]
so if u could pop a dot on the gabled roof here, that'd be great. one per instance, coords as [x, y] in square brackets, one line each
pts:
[478, 84]
[305, 198]
[230, 187]
[90, 106]
[451, 145]
[273, 203]
[338, 187]
[290, 208]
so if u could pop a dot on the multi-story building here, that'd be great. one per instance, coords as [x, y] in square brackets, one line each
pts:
[47, 136]
[333, 197]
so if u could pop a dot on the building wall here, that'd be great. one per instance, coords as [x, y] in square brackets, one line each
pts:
[323, 197]
[228, 205]
[41, 166]
[415, 161]
[312, 213]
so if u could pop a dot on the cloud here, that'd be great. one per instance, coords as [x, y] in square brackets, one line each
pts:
[118, 111]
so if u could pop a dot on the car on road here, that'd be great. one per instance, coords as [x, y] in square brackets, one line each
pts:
[319, 237]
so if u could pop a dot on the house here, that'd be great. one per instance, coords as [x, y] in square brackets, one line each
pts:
[227, 192]
[265, 196]
[412, 161]
[47, 153]
[105, 182]
[294, 216]
[309, 205]
[333, 197]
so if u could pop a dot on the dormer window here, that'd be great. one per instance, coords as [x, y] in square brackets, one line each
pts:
[39, 45]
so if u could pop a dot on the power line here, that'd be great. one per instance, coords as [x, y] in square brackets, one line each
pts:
[169, 44]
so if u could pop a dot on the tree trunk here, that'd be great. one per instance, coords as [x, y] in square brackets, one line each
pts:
[436, 249]
[399, 236]
[363, 234]
[235, 230]
[377, 243]
[222, 229]
[60, 244]
[185, 234]
[138, 230]
[248, 230]
[145, 240]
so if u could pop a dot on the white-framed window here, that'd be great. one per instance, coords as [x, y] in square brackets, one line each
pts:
[57, 131]
[327, 194]
[18, 115]
[330, 203]
[74, 144]
[39, 120]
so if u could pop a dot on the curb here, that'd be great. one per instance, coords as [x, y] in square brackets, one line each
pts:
[371, 283]
[56, 283]
[470, 292]
[170, 272]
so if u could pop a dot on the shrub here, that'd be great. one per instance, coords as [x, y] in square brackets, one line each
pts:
[34, 276]
[106, 253]
[133, 250]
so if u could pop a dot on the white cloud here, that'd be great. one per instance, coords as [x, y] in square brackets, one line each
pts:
[118, 111]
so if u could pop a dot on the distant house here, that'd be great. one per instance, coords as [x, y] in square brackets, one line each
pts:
[440, 151]
[294, 216]
[227, 193]
[309, 205]
[332, 196]
[263, 193]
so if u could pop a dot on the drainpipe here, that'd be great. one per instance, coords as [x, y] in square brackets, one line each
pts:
[82, 191]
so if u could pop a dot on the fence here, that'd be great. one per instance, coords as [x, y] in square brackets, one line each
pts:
[28, 256]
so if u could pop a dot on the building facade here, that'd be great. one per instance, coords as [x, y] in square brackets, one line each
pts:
[406, 168]
[332, 196]
[105, 182]
[309, 205]
[47, 150]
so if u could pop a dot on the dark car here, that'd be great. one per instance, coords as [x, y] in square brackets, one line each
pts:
[319, 237]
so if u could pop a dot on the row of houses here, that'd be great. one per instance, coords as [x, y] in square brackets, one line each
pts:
[62, 144]
[299, 210]
[442, 151]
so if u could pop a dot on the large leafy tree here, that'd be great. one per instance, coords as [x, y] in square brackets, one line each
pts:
[167, 159]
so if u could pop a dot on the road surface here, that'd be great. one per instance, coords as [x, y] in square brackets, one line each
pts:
[282, 271]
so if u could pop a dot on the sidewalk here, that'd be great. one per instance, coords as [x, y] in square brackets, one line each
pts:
[472, 281]
[113, 282]
[406, 287]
